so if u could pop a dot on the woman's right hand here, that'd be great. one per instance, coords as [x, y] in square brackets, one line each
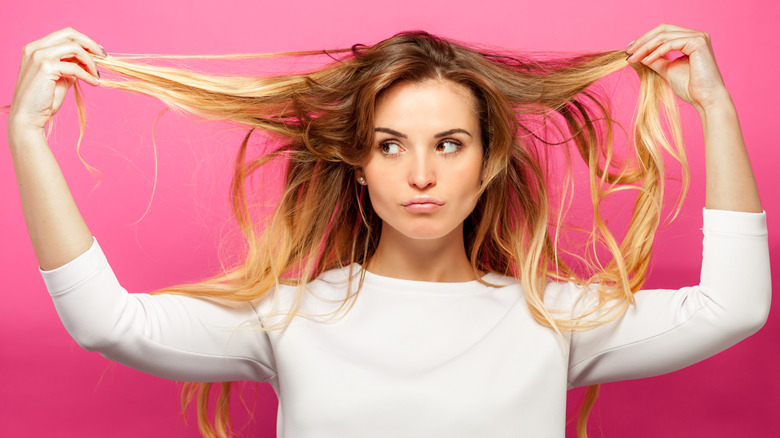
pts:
[49, 67]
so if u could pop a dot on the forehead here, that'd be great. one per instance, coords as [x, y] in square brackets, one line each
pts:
[431, 102]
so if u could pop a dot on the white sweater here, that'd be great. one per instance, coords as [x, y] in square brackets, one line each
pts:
[422, 359]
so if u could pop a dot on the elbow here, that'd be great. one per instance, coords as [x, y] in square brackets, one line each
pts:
[92, 339]
[99, 318]
[756, 319]
[760, 313]
[97, 330]
[751, 318]
[95, 343]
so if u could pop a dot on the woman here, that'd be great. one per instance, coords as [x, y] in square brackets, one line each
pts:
[408, 284]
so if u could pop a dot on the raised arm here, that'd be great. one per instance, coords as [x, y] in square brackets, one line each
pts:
[696, 79]
[49, 67]
[175, 337]
[669, 329]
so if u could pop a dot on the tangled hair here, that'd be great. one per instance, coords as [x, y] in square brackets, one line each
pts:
[324, 120]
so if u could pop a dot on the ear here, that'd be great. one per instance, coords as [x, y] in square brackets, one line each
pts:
[360, 175]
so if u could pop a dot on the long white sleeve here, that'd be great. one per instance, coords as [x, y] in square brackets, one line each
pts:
[171, 336]
[411, 356]
[670, 329]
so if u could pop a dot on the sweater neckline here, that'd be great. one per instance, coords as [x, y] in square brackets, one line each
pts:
[399, 285]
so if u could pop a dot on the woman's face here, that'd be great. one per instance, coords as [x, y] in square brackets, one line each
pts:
[424, 172]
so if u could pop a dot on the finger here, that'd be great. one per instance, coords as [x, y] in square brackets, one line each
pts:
[663, 49]
[655, 40]
[649, 46]
[655, 32]
[71, 50]
[71, 69]
[653, 46]
[660, 66]
[686, 45]
[67, 35]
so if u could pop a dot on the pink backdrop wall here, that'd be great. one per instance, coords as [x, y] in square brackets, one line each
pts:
[50, 387]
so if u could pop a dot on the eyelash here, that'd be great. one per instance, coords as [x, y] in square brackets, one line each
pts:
[383, 144]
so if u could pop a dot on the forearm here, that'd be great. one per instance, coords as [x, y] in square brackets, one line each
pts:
[57, 230]
[730, 183]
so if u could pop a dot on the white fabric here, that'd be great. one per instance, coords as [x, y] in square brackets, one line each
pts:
[421, 359]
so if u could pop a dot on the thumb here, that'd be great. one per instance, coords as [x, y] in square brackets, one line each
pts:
[660, 66]
[60, 90]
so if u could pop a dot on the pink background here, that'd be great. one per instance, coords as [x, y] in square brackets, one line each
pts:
[50, 387]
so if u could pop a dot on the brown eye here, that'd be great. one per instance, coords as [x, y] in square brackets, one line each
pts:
[448, 146]
[389, 148]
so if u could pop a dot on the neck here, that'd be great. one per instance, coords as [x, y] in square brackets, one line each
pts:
[440, 260]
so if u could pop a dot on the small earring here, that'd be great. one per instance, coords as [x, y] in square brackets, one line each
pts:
[361, 180]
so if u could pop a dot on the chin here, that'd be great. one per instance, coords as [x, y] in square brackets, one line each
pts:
[425, 231]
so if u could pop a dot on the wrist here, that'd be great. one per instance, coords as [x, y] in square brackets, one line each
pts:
[19, 128]
[20, 133]
[717, 104]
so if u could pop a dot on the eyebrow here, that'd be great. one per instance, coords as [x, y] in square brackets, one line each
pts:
[439, 135]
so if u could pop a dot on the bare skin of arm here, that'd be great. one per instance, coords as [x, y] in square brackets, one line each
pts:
[730, 181]
[48, 69]
[696, 79]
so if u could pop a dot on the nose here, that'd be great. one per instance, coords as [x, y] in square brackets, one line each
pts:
[422, 172]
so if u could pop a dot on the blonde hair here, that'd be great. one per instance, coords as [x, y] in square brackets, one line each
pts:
[324, 121]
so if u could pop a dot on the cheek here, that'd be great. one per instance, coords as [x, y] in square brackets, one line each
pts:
[380, 187]
[379, 198]
[470, 181]
[467, 178]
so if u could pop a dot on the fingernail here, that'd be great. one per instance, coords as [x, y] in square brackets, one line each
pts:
[629, 44]
[104, 51]
[629, 56]
[98, 72]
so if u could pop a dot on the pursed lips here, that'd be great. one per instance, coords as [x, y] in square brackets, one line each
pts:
[423, 200]
[422, 204]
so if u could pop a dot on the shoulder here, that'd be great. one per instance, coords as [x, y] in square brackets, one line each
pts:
[321, 295]
[558, 295]
[566, 296]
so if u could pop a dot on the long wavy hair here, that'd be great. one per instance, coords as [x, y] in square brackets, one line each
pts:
[322, 122]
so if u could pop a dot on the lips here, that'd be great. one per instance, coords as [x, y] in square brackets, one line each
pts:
[421, 200]
[422, 204]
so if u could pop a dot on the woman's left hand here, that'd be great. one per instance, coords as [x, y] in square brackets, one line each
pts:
[694, 77]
